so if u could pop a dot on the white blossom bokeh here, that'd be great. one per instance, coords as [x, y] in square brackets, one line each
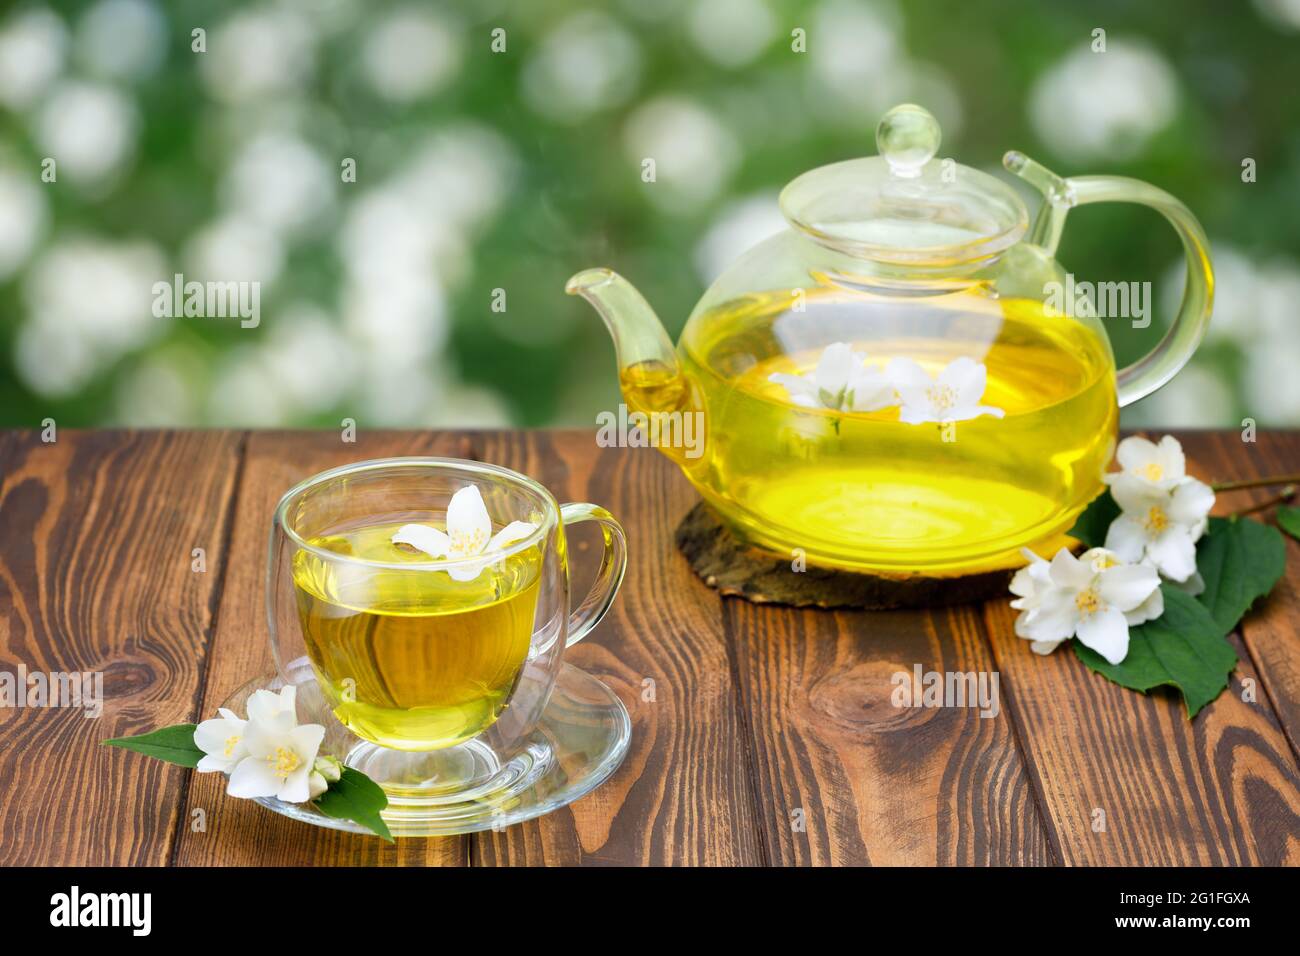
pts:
[33, 45]
[89, 129]
[89, 302]
[1104, 105]
[384, 170]
[584, 64]
[411, 53]
[122, 40]
[23, 218]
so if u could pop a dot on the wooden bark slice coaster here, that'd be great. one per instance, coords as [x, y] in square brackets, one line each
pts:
[737, 569]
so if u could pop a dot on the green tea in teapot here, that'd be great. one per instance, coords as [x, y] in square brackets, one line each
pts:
[911, 403]
[851, 480]
[413, 660]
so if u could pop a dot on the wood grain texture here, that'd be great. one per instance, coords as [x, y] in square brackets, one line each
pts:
[1271, 632]
[756, 712]
[96, 532]
[1222, 789]
[683, 793]
[846, 777]
[1271, 635]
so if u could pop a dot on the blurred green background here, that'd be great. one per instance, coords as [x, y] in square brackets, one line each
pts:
[480, 170]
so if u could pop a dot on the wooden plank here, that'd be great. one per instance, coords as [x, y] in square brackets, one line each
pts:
[683, 793]
[96, 532]
[1271, 635]
[238, 832]
[1222, 789]
[759, 711]
[846, 777]
[1271, 632]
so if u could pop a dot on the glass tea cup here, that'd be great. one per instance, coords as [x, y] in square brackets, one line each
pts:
[431, 674]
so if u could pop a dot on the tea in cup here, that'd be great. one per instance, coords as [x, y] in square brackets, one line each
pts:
[430, 598]
[411, 658]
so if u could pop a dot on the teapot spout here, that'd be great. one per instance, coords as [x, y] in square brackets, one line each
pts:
[648, 371]
[639, 337]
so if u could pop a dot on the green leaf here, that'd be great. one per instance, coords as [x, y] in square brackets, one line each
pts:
[1240, 561]
[1095, 521]
[354, 796]
[1183, 648]
[173, 744]
[1288, 520]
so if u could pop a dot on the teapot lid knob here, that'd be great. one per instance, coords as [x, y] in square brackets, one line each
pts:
[907, 137]
[901, 207]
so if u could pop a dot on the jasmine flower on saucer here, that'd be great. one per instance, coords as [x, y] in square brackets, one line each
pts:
[222, 741]
[280, 763]
[269, 754]
[222, 738]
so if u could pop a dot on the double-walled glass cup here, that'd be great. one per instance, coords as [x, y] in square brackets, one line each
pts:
[432, 674]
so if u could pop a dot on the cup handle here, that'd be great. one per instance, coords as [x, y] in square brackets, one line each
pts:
[613, 564]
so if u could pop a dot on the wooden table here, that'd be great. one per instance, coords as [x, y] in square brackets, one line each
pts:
[770, 738]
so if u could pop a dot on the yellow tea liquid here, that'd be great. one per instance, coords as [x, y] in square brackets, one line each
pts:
[413, 660]
[867, 491]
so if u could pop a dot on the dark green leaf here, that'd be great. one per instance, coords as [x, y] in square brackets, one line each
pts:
[1095, 521]
[354, 796]
[1288, 520]
[1240, 561]
[173, 744]
[1184, 648]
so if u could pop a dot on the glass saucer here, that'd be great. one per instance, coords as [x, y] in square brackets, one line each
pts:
[581, 739]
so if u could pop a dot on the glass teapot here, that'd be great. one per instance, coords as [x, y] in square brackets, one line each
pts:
[902, 381]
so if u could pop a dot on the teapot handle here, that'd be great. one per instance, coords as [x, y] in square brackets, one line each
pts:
[1165, 360]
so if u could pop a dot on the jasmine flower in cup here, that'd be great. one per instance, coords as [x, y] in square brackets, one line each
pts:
[469, 533]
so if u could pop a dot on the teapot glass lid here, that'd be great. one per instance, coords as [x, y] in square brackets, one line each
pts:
[905, 206]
